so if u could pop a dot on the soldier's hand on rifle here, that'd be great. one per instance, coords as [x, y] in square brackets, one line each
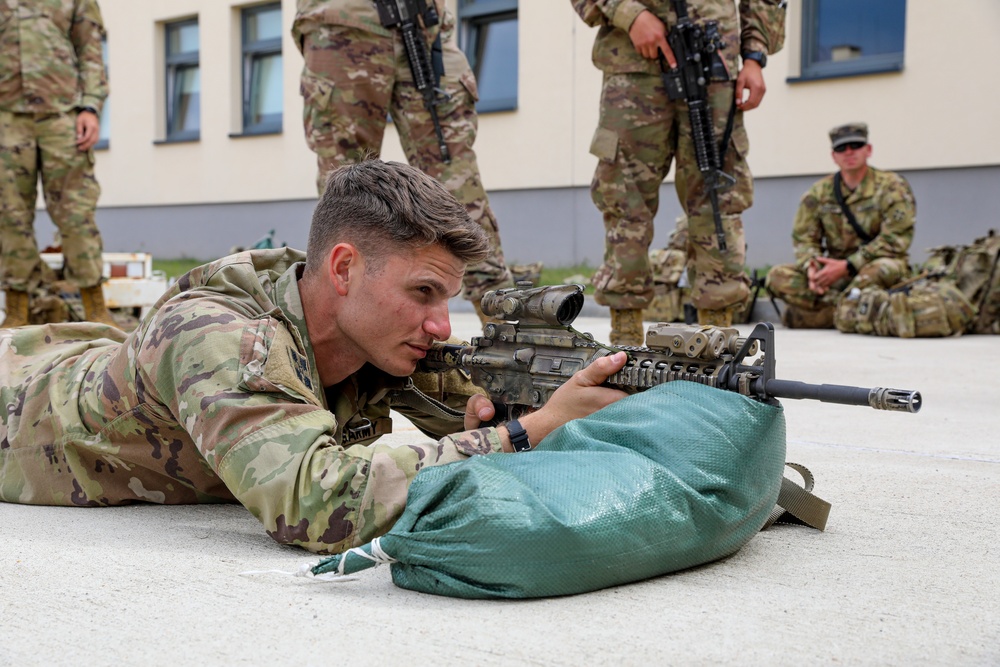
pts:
[750, 82]
[578, 397]
[478, 410]
[649, 36]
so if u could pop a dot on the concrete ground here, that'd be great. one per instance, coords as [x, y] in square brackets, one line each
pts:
[907, 573]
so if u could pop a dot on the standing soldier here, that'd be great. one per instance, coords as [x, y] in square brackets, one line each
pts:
[357, 71]
[52, 86]
[641, 130]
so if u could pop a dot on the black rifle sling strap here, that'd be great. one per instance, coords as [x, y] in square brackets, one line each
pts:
[862, 234]
[797, 504]
[728, 134]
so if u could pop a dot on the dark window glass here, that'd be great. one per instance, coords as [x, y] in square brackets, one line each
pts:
[846, 37]
[489, 38]
[183, 81]
[262, 78]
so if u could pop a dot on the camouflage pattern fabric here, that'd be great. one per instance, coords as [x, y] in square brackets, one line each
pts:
[51, 59]
[668, 266]
[885, 209]
[51, 63]
[355, 74]
[745, 25]
[214, 398]
[975, 270]
[44, 144]
[921, 309]
[640, 134]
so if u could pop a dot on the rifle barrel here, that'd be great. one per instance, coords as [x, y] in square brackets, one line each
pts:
[879, 398]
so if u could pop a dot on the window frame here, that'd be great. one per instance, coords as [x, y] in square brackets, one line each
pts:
[811, 71]
[174, 63]
[248, 54]
[473, 15]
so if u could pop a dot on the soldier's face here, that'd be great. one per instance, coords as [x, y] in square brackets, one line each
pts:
[851, 158]
[400, 309]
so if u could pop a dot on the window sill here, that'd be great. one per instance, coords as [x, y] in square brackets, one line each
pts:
[256, 132]
[177, 140]
[857, 70]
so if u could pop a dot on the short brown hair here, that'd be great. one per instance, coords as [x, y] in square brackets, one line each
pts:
[388, 207]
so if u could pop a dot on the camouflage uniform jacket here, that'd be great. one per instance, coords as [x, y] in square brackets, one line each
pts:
[884, 207]
[51, 56]
[759, 25]
[214, 397]
[361, 14]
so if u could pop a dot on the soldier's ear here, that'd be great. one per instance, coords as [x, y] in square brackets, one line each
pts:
[343, 264]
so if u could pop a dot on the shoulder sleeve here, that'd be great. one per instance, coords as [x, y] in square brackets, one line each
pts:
[762, 25]
[87, 35]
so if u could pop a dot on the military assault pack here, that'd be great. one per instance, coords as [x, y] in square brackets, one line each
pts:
[957, 291]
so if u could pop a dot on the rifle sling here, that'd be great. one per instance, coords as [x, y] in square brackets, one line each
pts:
[797, 504]
[728, 134]
[862, 234]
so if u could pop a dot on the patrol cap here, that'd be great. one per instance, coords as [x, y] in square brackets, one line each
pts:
[845, 134]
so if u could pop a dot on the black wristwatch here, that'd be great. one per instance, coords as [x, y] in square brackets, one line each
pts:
[90, 109]
[758, 56]
[518, 436]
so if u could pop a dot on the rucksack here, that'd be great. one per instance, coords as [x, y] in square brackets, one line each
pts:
[975, 270]
[918, 309]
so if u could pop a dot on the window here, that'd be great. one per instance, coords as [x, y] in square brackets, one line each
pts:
[489, 38]
[847, 37]
[262, 80]
[183, 81]
[104, 139]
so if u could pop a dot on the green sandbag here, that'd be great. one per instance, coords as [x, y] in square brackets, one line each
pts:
[664, 480]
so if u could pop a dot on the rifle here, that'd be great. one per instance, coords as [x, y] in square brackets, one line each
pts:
[522, 360]
[698, 62]
[426, 71]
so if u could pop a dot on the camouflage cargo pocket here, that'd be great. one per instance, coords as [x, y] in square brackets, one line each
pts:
[604, 145]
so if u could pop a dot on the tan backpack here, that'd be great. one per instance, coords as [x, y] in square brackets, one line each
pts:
[975, 270]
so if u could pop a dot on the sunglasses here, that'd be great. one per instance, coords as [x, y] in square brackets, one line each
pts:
[853, 145]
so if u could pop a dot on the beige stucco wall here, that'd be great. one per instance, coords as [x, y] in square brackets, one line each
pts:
[939, 112]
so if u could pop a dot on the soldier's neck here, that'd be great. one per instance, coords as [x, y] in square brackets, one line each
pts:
[853, 177]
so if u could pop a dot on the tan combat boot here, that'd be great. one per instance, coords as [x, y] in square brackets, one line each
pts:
[626, 327]
[716, 318]
[17, 309]
[93, 306]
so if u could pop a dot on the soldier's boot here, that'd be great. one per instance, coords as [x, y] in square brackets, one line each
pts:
[626, 327]
[722, 317]
[802, 318]
[17, 308]
[94, 309]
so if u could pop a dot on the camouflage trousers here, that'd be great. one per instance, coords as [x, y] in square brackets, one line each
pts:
[790, 283]
[641, 133]
[353, 79]
[33, 145]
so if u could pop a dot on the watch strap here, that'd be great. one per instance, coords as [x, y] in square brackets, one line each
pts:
[518, 436]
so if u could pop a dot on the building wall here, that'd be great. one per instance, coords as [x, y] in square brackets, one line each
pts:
[934, 122]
